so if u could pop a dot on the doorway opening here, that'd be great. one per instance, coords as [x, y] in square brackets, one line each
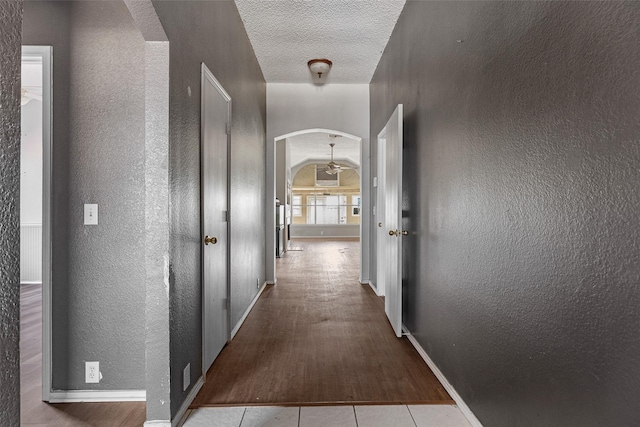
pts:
[389, 232]
[319, 197]
[35, 229]
[320, 192]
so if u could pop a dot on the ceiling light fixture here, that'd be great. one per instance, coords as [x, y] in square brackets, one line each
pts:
[319, 66]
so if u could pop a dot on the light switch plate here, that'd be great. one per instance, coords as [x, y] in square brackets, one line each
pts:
[90, 214]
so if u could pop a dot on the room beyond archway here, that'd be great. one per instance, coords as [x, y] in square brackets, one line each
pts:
[321, 208]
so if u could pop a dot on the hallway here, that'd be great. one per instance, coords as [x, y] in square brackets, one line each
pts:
[319, 337]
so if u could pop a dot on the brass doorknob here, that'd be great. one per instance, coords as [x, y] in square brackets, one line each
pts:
[212, 240]
[405, 233]
[393, 232]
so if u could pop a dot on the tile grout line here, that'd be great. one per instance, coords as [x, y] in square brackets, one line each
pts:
[243, 414]
[355, 415]
[299, 414]
[411, 413]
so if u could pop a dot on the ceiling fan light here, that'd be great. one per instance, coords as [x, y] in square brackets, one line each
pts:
[319, 66]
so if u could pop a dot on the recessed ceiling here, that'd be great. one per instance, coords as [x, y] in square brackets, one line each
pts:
[315, 147]
[285, 34]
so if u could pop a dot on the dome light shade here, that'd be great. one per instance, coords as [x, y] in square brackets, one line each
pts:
[319, 66]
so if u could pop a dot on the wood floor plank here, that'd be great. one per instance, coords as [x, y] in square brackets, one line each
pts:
[319, 337]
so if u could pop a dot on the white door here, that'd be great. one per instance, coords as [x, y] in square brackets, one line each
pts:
[381, 232]
[215, 114]
[392, 225]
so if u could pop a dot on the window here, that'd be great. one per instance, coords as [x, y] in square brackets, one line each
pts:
[326, 209]
[296, 206]
[323, 208]
[355, 205]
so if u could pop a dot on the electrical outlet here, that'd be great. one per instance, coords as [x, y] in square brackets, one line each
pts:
[91, 372]
[186, 377]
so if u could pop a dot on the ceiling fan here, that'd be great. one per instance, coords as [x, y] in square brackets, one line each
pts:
[332, 167]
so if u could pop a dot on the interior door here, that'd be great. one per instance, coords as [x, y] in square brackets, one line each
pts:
[393, 220]
[381, 232]
[215, 116]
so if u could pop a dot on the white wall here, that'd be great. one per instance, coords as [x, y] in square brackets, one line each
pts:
[294, 107]
[336, 107]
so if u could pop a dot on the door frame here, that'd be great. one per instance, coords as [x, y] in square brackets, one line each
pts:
[365, 194]
[45, 54]
[393, 301]
[381, 149]
[206, 74]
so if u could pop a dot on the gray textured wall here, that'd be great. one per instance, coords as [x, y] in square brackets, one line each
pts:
[211, 32]
[157, 316]
[10, 45]
[157, 311]
[98, 155]
[522, 156]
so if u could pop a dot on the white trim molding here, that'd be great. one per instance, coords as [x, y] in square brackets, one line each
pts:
[74, 396]
[372, 286]
[30, 253]
[178, 419]
[466, 411]
[246, 313]
[44, 54]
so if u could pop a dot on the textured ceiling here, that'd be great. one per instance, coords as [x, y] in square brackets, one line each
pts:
[285, 34]
[315, 147]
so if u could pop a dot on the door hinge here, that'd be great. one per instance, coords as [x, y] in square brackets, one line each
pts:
[228, 128]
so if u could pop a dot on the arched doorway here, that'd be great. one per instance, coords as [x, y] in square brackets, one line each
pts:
[283, 175]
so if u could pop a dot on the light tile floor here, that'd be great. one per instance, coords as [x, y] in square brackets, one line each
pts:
[329, 416]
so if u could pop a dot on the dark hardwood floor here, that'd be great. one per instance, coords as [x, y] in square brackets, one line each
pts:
[33, 411]
[319, 337]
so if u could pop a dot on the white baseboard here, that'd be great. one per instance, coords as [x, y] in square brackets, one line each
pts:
[73, 396]
[466, 411]
[248, 310]
[372, 286]
[180, 416]
[157, 423]
[31, 283]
